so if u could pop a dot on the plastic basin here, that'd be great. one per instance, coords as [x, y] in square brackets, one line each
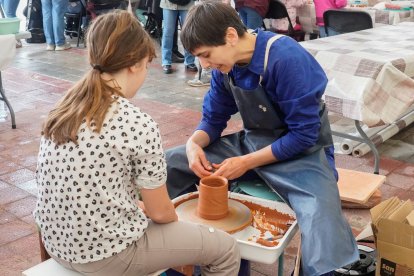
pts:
[9, 25]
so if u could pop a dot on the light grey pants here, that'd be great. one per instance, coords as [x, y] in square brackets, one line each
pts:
[169, 245]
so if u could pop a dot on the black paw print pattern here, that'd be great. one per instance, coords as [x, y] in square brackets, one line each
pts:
[87, 191]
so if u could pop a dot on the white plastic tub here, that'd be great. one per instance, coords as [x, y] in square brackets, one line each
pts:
[251, 250]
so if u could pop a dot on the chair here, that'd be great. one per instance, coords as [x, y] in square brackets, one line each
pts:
[153, 14]
[346, 21]
[74, 20]
[277, 10]
[95, 8]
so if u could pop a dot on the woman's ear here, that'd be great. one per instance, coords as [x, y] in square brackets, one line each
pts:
[231, 36]
[134, 68]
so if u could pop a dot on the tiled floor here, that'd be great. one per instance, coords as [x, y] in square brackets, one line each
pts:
[38, 78]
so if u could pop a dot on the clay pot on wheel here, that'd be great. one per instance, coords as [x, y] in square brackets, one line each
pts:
[213, 198]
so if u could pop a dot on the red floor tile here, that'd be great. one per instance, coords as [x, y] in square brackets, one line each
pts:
[18, 177]
[22, 207]
[14, 230]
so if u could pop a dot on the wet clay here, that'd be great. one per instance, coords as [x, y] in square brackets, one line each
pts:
[268, 220]
[264, 219]
[213, 198]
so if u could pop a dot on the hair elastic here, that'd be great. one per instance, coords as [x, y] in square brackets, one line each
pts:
[97, 67]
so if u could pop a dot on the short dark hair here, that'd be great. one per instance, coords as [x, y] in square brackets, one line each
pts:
[206, 25]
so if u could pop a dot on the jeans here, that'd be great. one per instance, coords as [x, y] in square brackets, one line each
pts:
[250, 18]
[169, 26]
[10, 7]
[322, 32]
[53, 21]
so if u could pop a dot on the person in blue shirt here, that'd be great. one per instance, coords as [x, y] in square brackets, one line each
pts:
[276, 86]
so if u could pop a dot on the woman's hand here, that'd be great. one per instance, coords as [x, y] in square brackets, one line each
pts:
[197, 160]
[231, 168]
[234, 167]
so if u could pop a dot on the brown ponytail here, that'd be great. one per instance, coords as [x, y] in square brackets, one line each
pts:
[115, 41]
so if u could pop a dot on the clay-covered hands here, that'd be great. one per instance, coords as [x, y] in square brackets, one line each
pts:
[231, 168]
[197, 160]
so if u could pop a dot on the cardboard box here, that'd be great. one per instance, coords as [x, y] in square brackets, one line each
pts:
[394, 237]
[395, 247]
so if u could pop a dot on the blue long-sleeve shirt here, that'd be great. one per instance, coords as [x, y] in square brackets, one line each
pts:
[293, 80]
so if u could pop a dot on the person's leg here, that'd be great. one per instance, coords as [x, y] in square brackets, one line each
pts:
[250, 18]
[176, 56]
[313, 195]
[175, 41]
[10, 7]
[170, 17]
[332, 32]
[322, 32]
[170, 245]
[58, 11]
[186, 243]
[243, 15]
[47, 22]
[253, 20]
[188, 58]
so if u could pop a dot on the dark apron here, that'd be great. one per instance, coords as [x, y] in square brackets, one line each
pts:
[306, 182]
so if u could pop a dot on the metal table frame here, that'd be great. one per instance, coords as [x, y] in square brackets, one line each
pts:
[20, 35]
[4, 99]
[363, 139]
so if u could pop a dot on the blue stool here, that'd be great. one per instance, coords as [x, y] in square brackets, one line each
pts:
[257, 188]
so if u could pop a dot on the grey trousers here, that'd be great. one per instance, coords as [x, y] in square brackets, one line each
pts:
[169, 245]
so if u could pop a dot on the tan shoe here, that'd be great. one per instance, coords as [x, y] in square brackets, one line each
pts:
[50, 47]
[63, 47]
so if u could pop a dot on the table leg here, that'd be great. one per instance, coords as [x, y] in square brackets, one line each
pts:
[3, 98]
[363, 139]
[280, 266]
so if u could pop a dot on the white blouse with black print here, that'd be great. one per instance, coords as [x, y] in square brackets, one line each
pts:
[87, 192]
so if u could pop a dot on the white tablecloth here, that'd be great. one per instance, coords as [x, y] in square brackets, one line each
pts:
[7, 50]
[370, 72]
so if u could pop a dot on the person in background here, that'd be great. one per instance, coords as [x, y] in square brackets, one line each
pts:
[54, 24]
[323, 5]
[10, 8]
[251, 12]
[276, 86]
[282, 25]
[204, 74]
[171, 12]
[98, 152]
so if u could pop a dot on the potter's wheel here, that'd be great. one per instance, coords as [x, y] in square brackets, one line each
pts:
[238, 218]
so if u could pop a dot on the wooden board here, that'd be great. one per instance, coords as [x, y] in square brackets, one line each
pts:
[355, 186]
[372, 201]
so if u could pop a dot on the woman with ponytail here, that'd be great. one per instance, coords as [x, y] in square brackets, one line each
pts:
[97, 151]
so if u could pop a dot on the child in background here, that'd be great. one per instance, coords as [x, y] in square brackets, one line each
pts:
[323, 5]
[98, 149]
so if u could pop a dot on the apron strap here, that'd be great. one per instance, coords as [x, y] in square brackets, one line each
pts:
[269, 44]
